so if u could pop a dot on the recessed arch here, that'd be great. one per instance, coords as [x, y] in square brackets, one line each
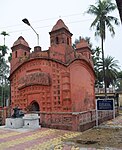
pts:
[34, 106]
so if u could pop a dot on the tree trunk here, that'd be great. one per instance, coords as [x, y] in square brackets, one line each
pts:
[4, 40]
[104, 73]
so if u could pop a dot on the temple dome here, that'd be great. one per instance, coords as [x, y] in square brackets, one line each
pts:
[19, 41]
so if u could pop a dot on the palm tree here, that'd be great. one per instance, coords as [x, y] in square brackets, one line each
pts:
[3, 50]
[111, 69]
[102, 21]
[4, 70]
[96, 55]
[4, 73]
[4, 34]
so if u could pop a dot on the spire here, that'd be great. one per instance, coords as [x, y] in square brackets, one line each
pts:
[21, 41]
[59, 25]
[60, 34]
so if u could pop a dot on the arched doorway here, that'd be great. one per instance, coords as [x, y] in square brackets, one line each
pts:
[34, 106]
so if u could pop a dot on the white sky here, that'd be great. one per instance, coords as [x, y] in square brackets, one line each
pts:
[44, 14]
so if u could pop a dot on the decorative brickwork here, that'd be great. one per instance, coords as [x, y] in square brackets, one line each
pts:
[60, 79]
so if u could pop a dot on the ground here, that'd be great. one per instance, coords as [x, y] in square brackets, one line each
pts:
[100, 137]
[107, 136]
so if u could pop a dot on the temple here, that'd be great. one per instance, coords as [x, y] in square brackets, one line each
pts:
[58, 82]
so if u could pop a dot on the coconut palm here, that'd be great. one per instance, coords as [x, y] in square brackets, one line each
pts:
[103, 21]
[111, 69]
[4, 83]
[3, 50]
[4, 71]
[4, 33]
[96, 52]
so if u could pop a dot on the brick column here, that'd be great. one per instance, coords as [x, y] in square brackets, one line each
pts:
[75, 121]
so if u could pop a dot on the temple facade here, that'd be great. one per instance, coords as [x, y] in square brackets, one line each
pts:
[58, 82]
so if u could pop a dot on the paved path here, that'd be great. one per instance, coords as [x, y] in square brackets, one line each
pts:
[114, 123]
[41, 139]
[45, 139]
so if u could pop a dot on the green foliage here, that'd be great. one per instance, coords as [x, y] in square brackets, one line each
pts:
[4, 82]
[10, 57]
[4, 73]
[111, 70]
[4, 33]
[103, 20]
[3, 50]
[119, 81]
[111, 66]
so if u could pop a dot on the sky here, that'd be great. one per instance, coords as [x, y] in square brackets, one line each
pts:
[43, 15]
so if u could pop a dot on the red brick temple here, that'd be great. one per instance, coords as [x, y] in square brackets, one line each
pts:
[58, 82]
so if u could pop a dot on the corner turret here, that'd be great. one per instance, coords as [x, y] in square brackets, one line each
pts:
[60, 34]
[20, 49]
[83, 48]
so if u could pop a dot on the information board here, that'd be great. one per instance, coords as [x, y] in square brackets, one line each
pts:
[105, 104]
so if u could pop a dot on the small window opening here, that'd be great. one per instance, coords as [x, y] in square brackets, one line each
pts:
[57, 40]
[68, 41]
[25, 53]
[16, 54]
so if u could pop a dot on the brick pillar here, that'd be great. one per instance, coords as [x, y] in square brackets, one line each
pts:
[43, 119]
[75, 122]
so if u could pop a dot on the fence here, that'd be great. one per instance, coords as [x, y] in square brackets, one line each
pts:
[4, 113]
[77, 121]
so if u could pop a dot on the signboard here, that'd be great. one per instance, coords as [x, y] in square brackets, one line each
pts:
[105, 104]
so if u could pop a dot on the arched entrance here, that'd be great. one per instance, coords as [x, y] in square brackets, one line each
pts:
[34, 106]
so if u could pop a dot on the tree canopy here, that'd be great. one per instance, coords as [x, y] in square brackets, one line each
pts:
[101, 10]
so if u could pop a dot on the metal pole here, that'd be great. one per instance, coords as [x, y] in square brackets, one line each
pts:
[36, 34]
[28, 23]
[96, 115]
[114, 109]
